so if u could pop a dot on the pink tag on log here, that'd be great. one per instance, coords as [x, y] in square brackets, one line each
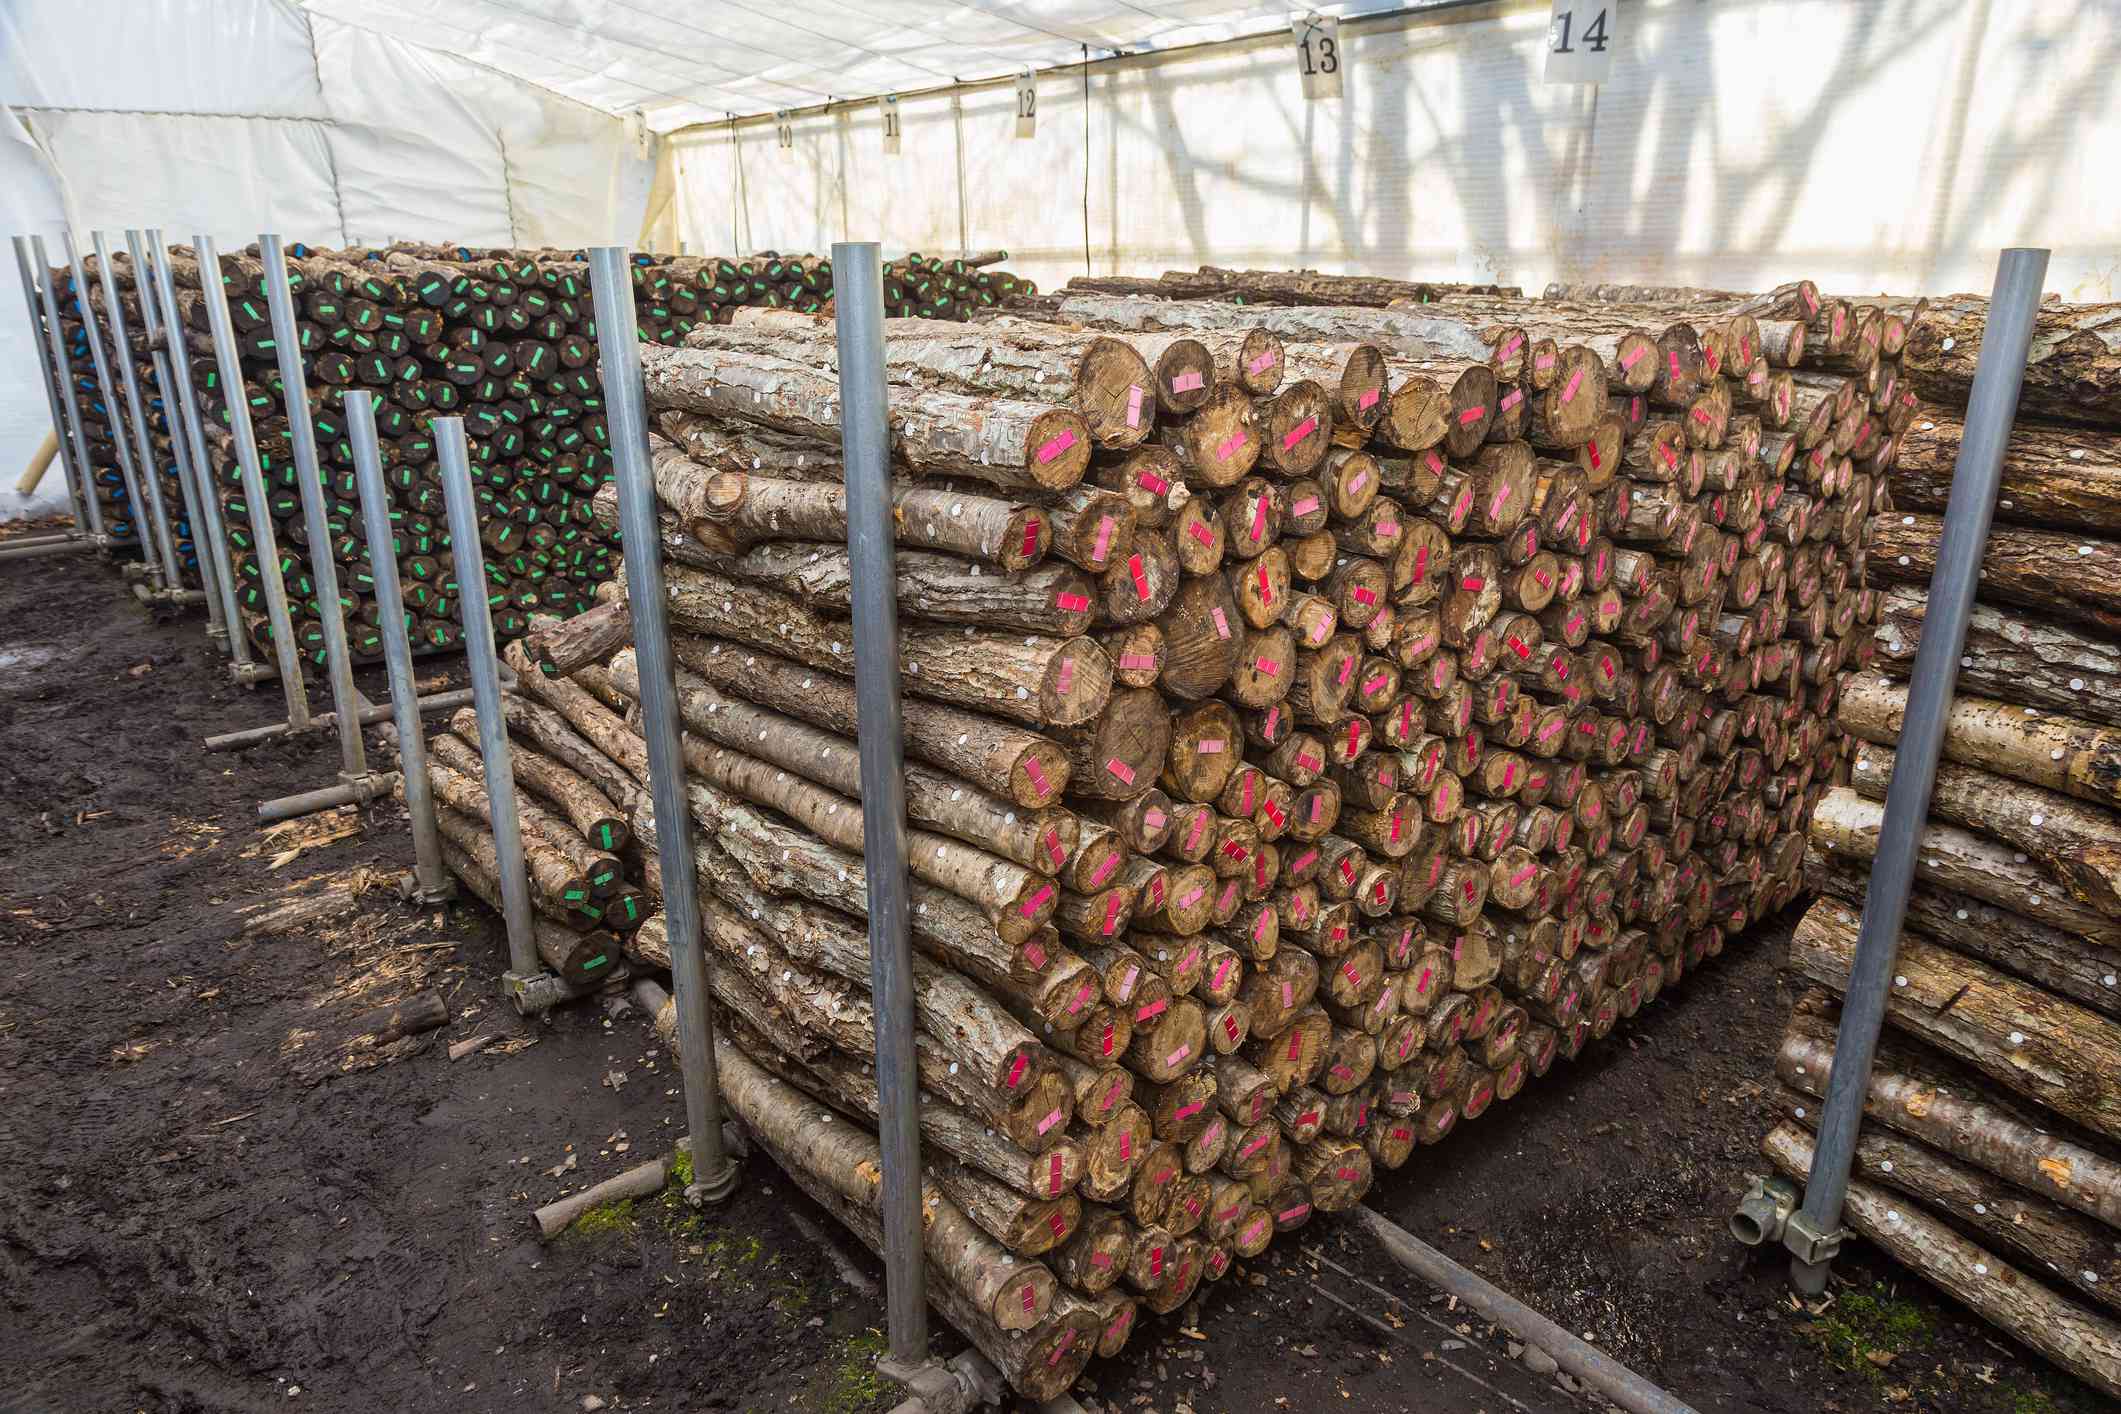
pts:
[1421, 564]
[1304, 507]
[1262, 363]
[1104, 870]
[1038, 777]
[1055, 447]
[1185, 383]
[1199, 531]
[1297, 433]
[1065, 676]
[1259, 517]
[1209, 746]
[1137, 662]
[1111, 914]
[1103, 540]
[1367, 401]
[1568, 390]
[1139, 575]
[1221, 621]
[1038, 900]
[1152, 483]
[1134, 405]
[1472, 415]
[1071, 603]
[1231, 445]
[1120, 769]
[1266, 592]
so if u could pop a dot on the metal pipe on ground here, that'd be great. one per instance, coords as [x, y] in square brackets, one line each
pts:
[1814, 1232]
[1581, 1359]
[372, 786]
[368, 716]
[22, 551]
[626, 417]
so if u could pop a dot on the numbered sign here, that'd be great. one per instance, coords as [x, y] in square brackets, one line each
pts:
[784, 128]
[1026, 105]
[1580, 41]
[1318, 56]
[888, 107]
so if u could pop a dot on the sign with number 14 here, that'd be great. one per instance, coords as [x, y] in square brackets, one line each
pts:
[1580, 41]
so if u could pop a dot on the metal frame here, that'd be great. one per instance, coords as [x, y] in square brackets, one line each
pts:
[153, 334]
[626, 416]
[135, 503]
[524, 967]
[156, 537]
[205, 502]
[73, 460]
[1813, 1233]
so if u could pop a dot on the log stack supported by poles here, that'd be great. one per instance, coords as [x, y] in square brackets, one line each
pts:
[504, 339]
[1310, 737]
[1995, 1163]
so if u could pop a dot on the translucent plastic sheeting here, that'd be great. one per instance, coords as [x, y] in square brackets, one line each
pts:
[1874, 145]
[233, 117]
[679, 62]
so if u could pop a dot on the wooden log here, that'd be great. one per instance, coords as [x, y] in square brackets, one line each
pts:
[1053, 599]
[2078, 1252]
[561, 847]
[1941, 1108]
[1040, 681]
[2086, 1345]
[2056, 1053]
[2064, 963]
[2063, 478]
[744, 507]
[559, 646]
[1041, 840]
[1022, 766]
[2015, 657]
[641, 1181]
[1846, 824]
[1011, 444]
[2019, 742]
[577, 954]
[2078, 844]
[2068, 577]
[2072, 373]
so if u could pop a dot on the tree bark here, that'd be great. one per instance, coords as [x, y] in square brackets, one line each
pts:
[1019, 765]
[2072, 373]
[2018, 742]
[2054, 1052]
[2063, 478]
[1040, 681]
[748, 506]
[2015, 657]
[2067, 576]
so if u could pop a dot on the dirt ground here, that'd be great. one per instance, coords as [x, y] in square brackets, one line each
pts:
[208, 1207]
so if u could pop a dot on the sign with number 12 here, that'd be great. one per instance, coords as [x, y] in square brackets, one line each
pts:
[1580, 41]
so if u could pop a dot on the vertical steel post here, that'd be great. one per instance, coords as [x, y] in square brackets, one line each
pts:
[106, 391]
[267, 549]
[484, 665]
[431, 879]
[309, 479]
[153, 328]
[1813, 1234]
[160, 541]
[221, 571]
[51, 353]
[62, 369]
[626, 414]
[865, 443]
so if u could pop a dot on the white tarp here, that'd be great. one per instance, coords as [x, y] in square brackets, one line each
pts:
[1874, 145]
[232, 117]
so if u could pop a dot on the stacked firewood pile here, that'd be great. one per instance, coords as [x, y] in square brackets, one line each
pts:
[1318, 721]
[1994, 1168]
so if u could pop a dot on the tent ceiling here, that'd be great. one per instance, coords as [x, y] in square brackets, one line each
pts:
[680, 61]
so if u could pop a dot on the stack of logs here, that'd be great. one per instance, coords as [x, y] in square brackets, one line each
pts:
[1994, 1168]
[503, 338]
[1318, 720]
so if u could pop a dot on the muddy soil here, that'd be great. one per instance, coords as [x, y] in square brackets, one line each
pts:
[207, 1208]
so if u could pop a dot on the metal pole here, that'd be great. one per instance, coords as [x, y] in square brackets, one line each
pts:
[187, 431]
[858, 285]
[230, 367]
[626, 414]
[1814, 1232]
[432, 879]
[106, 393]
[72, 464]
[62, 370]
[370, 716]
[309, 479]
[484, 664]
[135, 410]
[152, 330]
